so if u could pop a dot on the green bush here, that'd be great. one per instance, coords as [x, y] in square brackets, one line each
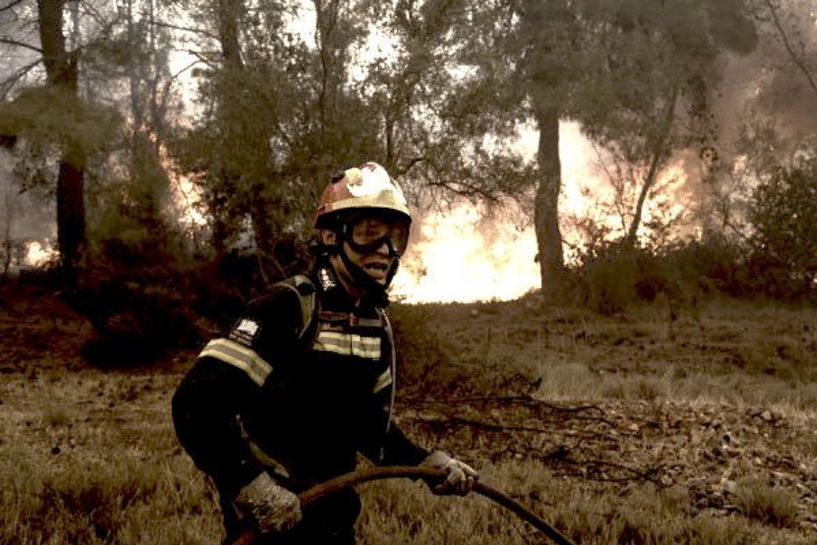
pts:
[607, 279]
[616, 276]
[783, 213]
[612, 277]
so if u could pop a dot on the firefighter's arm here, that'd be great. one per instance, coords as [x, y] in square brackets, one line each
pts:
[227, 380]
[206, 409]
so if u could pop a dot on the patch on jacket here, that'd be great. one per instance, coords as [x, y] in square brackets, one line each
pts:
[244, 332]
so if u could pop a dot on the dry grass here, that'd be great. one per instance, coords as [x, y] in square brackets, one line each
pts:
[89, 456]
[757, 500]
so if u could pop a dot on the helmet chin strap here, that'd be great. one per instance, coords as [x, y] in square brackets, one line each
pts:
[371, 288]
[368, 285]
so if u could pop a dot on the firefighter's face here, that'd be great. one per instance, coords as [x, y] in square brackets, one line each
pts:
[376, 263]
[362, 248]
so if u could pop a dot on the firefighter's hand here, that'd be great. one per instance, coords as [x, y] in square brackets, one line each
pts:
[460, 478]
[273, 507]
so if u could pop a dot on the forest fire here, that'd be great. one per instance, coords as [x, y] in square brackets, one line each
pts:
[461, 257]
[39, 253]
[464, 254]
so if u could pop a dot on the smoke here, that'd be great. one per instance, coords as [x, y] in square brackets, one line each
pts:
[466, 255]
[23, 216]
[768, 81]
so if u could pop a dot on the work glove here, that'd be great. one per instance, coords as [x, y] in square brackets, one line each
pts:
[273, 507]
[460, 478]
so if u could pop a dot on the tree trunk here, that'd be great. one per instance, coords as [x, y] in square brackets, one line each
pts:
[228, 176]
[228, 13]
[70, 213]
[63, 75]
[546, 204]
[659, 155]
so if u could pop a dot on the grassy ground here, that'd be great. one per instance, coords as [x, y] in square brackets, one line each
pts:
[658, 426]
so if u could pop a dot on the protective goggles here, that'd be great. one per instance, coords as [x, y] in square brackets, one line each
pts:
[366, 234]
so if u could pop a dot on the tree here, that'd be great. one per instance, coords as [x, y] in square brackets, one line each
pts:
[330, 107]
[783, 214]
[625, 69]
[791, 28]
[54, 119]
[261, 149]
[61, 68]
[660, 74]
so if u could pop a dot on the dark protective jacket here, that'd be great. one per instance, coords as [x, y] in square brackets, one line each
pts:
[306, 379]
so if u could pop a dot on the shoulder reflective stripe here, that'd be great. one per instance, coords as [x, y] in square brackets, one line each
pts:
[382, 381]
[239, 356]
[307, 301]
[348, 344]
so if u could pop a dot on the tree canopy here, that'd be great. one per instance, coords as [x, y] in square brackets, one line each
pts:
[96, 104]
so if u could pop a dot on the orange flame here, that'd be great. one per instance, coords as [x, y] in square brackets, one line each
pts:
[38, 253]
[460, 258]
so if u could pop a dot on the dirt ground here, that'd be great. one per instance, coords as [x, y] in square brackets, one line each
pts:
[700, 403]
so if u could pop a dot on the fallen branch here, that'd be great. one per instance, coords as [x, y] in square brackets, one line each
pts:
[634, 474]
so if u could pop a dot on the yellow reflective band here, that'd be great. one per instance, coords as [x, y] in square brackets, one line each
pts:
[382, 381]
[348, 344]
[239, 356]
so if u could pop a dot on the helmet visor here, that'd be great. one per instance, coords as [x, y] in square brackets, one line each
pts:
[368, 233]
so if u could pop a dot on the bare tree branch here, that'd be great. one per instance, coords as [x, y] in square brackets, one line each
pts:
[199, 31]
[797, 60]
[200, 56]
[10, 5]
[169, 84]
[8, 84]
[658, 153]
[411, 162]
[90, 10]
[9, 41]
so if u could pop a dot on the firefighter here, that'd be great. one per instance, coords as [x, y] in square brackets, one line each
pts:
[305, 380]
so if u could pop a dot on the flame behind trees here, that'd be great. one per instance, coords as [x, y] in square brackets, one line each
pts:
[282, 114]
[635, 74]
[280, 109]
[106, 140]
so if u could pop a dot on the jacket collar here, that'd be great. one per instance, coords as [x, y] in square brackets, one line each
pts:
[335, 297]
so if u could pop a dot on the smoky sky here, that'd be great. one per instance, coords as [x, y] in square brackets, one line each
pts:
[769, 81]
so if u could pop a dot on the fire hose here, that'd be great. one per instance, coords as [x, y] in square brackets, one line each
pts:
[405, 472]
